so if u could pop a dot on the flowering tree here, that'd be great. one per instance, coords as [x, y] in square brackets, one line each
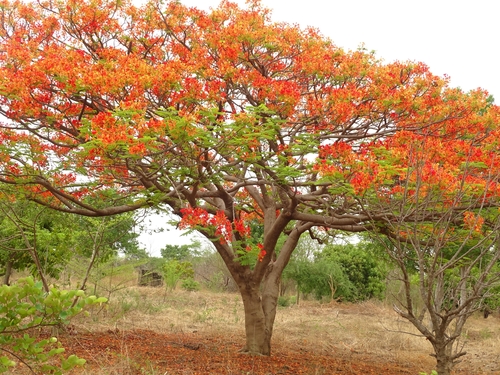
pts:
[438, 217]
[225, 118]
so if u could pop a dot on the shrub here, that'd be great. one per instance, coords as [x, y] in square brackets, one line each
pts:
[25, 306]
[321, 279]
[285, 301]
[190, 285]
[174, 271]
[360, 265]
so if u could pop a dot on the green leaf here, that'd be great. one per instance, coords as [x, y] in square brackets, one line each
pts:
[5, 363]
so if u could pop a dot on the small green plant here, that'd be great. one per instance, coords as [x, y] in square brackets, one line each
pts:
[127, 305]
[205, 315]
[485, 333]
[25, 306]
[433, 372]
[174, 271]
[215, 282]
[190, 285]
[283, 301]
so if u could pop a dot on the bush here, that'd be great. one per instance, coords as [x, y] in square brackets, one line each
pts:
[25, 306]
[491, 298]
[363, 269]
[190, 285]
[342, 272]
[321, 279]
[174, 271]
[285, 301]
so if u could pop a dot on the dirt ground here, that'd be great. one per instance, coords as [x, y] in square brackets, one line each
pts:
[147, 352]
[144, 331]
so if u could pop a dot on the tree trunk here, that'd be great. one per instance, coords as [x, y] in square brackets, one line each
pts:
[259, 288]
[463, 286]
[260, 304]
[8, 272]
[41, 274]
[258, 336]
[444, 358]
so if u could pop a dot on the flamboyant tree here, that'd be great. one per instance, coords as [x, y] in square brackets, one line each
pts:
[438, 216]
[225, 118]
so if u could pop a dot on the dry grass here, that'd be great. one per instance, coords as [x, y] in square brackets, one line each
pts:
[353, 331]
[369, 329]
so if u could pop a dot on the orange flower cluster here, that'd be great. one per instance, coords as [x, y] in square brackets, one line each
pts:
[473, 221]
[223, 228]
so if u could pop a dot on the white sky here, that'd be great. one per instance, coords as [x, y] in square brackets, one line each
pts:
[458, 38]
[454, 37]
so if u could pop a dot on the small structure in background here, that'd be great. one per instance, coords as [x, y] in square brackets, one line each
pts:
[147, 276]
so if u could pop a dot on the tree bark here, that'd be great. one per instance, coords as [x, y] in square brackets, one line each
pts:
[444, 358]
[260, 304]
[8, 272]
[259, 288]
[258, 335]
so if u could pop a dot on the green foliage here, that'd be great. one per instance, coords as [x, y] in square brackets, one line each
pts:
[492, 301]
[44, 240]
[26, 229]
[105, 237]
[174, 271]
[350, 272]
[175, 252]
[25, 306]
[285, 301]
[190, 285]
[361, 267]
[321, 279]
[491, 298]
[181, 252]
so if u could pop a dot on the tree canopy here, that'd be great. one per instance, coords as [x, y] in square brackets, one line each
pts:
[225, 118]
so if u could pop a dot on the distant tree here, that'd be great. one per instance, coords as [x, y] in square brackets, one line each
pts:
[43, 241]
[181, 252]
[100, 239]
[33, 238]
[322, 279]
[360, 266]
